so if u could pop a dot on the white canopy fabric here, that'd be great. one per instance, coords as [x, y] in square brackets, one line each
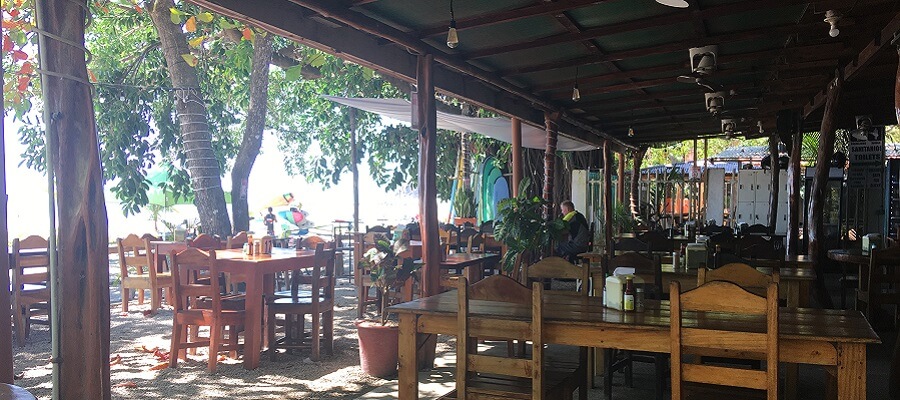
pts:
[496, 128]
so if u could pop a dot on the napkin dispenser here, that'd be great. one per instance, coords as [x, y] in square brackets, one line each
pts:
[615, 289]
[695, 255]
[872, 240]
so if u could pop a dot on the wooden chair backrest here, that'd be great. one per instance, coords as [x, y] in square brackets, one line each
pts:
[465, 234]
[738, 273]
[723, 257]
[206, 242]
[882, 270]
[500, 288]
[310, 242]
[640, 263]
[135, 252]
[237, 241]
[475, 241]
[558, 268]
[487, 227]
[657, 241]
[693, 338]
[186, 266]
[321, 278]
[755, 229]
[473, 363]
[150, 236]
[631, 244]
[30, 268]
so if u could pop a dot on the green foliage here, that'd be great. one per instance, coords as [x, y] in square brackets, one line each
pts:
[387, 268]
[522, 228]
[623, 221]
[464, 203]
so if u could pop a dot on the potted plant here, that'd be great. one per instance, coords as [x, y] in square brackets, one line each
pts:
[464, 205]
[522, 228]
[388, 270]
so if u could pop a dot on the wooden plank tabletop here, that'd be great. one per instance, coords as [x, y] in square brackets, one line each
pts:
[462, 260]
[851, 256]
[844, 326]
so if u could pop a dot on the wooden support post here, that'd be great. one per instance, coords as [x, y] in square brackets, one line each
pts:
[773, 199]
[815, 226]
[607, 196]
[82, 278]
[6, 354]
[634, 199]
[794, 202]
[516, 155]
[427, 127]
[894, 377]
[550, 125]
[620, 184]
[354, 168]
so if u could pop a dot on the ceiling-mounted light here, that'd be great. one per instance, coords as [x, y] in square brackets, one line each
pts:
[576, 94]
[630, 131]
[715, 102]
[728, 127]
[674, 3]
[832, 17]
[452, 36]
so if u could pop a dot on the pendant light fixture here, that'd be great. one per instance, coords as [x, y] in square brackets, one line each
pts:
[630, 131]
[576, 94]
[674, 3]
[832, 17]
[452, 36]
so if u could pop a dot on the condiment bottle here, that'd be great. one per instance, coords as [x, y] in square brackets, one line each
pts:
[676, 259]
[250, 245]
[639, 299]
[628, 299]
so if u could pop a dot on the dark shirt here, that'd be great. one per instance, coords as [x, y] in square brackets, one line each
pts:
[579, 231]
[269, 220]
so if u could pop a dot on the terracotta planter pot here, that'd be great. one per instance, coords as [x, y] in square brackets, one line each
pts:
[378, 348]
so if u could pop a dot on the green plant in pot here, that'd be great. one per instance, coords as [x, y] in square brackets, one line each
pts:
[521, 227]
[388, 270]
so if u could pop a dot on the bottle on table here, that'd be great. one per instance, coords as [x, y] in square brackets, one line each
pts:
[628, 298]
[639, 299]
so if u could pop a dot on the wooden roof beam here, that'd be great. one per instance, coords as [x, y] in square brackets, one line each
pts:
[865, 56]
[500, 17]
[634, 25]
[672, 47]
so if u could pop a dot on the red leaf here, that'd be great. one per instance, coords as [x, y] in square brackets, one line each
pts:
[162, 365]
[115, 360]
[248, 34]
[27, 68]
[161, 356]
[126, 384]
[23, 83]
[144, 349]
[14, 13]
[7, 44]
[19, 55]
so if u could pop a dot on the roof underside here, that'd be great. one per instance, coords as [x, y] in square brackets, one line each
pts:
[772, 55]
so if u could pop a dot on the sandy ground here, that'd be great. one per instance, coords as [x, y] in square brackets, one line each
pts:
[292, 376]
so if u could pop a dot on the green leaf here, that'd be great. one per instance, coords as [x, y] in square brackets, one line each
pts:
[318, 60]
[190, 59]
[205, 17]
[176, 19]
[293, 73]
[175, 11]
[368, 73]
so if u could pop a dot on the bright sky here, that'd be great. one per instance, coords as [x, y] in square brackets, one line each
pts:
[28, 214]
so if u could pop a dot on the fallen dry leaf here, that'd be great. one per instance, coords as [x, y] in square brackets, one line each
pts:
[157, 367]
[222, 357]
[126, 384]
[144, 349]
[161, 355]
[18, 376]
[115, 360]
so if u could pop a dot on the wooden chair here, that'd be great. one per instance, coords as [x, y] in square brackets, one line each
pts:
[138, 272]
[692, 338]
[882, 285]
[475, 243]
[559, 268]
[30, 287]
[482, 376]
[205, 242]
[237, 241]
[318, 302]
[189, 292]
[617, 360]
[723, 258]
[744, 244]
[464, 237]
[740, 274]
[755, 229]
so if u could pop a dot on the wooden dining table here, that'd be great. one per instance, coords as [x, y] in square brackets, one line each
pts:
[257, 271]
[472, 263]
[835, 339]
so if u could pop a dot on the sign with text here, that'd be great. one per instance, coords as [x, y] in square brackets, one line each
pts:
[867, 146]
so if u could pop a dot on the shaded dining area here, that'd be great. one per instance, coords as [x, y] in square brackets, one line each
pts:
[685, 280]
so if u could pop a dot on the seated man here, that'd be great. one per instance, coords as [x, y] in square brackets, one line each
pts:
[579, 233]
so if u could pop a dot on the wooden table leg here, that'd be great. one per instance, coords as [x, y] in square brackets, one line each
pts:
[851, 371]
[408, 376]
[252, 325]
[791, 380]
[268, 290]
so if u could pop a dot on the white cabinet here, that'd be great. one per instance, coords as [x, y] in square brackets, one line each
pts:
[753, 198]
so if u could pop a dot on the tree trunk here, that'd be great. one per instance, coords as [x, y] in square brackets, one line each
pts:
[796, 203]
[819, 187]
[634, 199]
[202, 165]
[253, 132]
[82, 273]
[773, 199]
[550, 125]
[6, 354]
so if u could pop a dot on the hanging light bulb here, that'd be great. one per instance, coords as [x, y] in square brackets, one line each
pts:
[576, 94]
[630, 131]
[674, 3]
[452, 36]
[832, 17]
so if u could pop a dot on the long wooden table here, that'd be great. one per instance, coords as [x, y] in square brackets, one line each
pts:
[833, 338]
[257, 271]
[472, 263]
